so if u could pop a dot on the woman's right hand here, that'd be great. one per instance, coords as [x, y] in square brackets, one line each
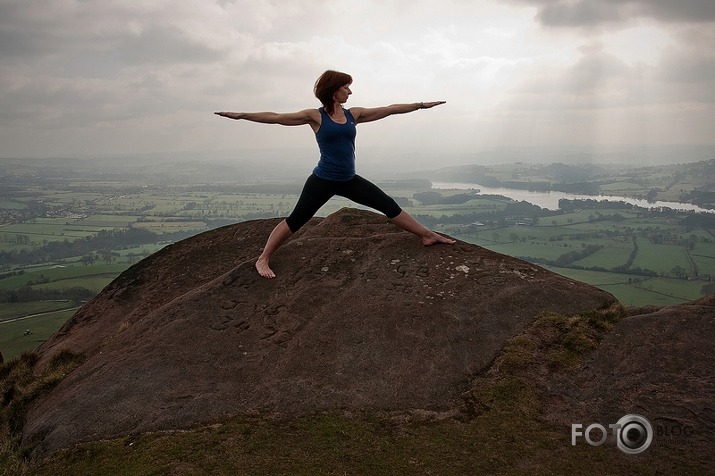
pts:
[428, 105]
[230, 115]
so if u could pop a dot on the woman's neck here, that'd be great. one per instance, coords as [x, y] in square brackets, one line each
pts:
[337, 110]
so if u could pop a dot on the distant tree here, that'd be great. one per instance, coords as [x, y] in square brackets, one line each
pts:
[428, 198]
[108, 257]
[708, 289]
[692, 239]
[88, 259]
[679, 272]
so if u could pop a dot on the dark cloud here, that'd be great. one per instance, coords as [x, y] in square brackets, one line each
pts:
[688, 11]
[592, 13]
[158, 44]
[687, 68]
[27, 33]
[163, 45]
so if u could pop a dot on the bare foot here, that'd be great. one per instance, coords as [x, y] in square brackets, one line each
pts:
[263, 268]
[435, 238]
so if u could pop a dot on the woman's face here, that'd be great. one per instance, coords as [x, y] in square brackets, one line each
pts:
[342, 94]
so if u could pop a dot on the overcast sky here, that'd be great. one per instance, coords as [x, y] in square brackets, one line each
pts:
[83, 77]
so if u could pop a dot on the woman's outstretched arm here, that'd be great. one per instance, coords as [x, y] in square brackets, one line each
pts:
[368, 114]
[306, 116]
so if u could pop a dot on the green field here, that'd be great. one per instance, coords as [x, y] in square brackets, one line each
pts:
[16, 310]
[64, 275]
[632, 291]
[704, 257]
[660, 258]
[19, 336]
[612, 254]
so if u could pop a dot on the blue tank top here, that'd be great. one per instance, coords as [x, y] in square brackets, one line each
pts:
[337, 148]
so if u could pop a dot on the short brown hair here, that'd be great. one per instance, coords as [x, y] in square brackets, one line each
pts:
[326, 86]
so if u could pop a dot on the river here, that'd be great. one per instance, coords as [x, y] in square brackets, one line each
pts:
[550, 200]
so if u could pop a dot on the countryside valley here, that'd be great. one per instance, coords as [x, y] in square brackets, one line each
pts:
[70, 226]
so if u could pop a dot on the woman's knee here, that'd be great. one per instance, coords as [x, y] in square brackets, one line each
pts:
[295, 222]
[393, 211]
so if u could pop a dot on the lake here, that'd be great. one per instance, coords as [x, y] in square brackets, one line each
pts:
[550, 200]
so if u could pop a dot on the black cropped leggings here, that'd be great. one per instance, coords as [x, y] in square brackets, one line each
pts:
[317, 191]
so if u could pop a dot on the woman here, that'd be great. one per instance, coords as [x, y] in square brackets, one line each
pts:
[335, 131]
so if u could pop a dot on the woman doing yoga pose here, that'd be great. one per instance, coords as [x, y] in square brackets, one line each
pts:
[335, 131]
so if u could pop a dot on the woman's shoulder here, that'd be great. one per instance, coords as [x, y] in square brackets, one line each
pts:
[313, 114]
[355, 112]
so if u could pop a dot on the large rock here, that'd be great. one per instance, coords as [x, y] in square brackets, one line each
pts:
[361, 316]
[657, 363]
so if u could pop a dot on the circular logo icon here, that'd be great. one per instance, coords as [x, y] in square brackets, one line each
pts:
[634, 434]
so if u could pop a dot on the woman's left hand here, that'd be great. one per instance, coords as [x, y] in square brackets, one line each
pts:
[427, 105]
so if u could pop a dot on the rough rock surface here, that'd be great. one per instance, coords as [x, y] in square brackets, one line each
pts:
[361, 316]
[658, 364]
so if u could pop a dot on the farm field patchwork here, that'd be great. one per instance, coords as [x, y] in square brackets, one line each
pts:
[634, 291]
